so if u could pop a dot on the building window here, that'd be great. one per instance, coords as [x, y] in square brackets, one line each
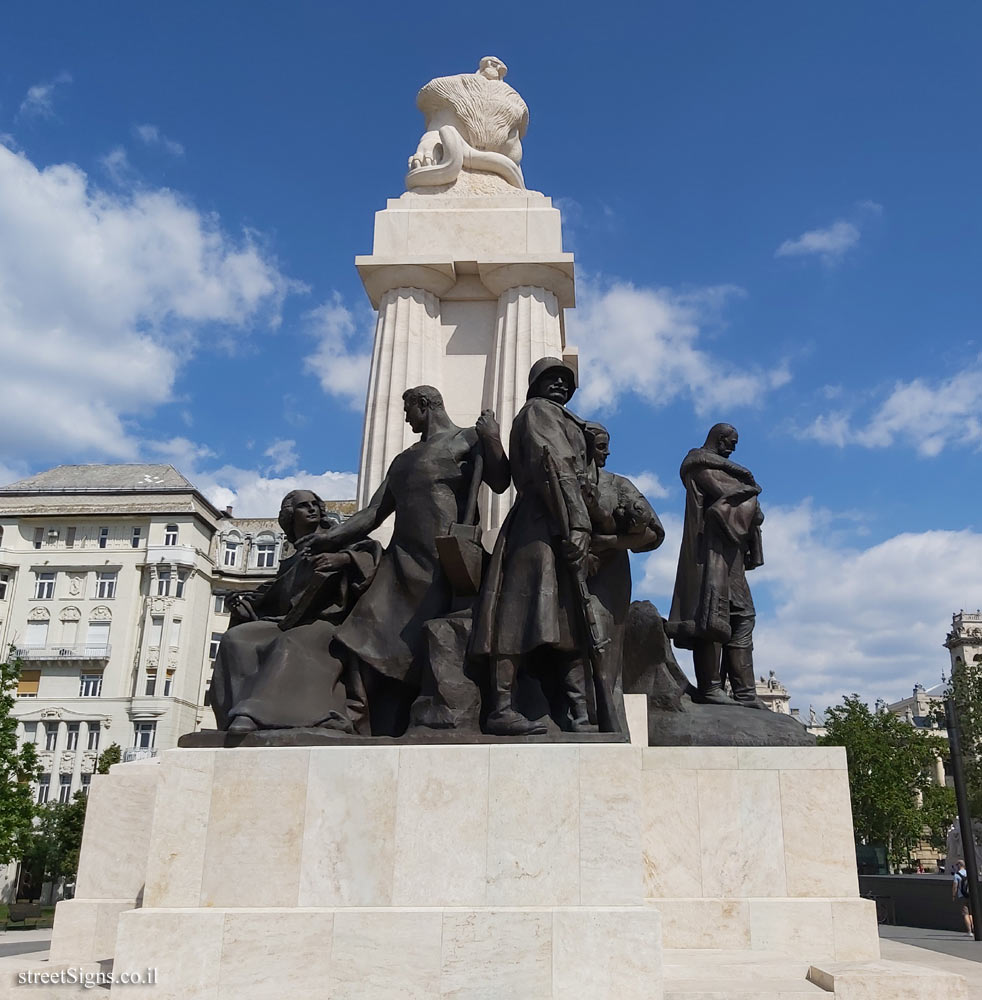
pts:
[64, 787]
[90, 686]
[72, 743]
[182, 578]
[44, 586]
[44, 787]
[38, 537]
[50, 735]
[144, 734]
[216, 638]
[151, 683]
[266, 555]
[105, 587]
[175, 632]
[70, 538]
[135, 537]
[220, 608]
[93, 736]
[27, 684]
[163, 583]
[231, 554]
[86, 782]
[168, 683]
[36, 634]
[97, 638]
[4, 580]
[207, 698]
[170, 534]
[156, 630]
[103, 537]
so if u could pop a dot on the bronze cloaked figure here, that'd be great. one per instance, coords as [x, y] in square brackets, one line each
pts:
[427, 487]
[273, 669]
[712, 610]
[529, 614]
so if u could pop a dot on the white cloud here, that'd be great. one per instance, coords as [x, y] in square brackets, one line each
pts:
[829, 243]
[343, 354]
[250, 492]
[929, 416]
[845, 618]
[150, 135]
[649, 341]
[650, 485]
[39, 100]
[283, 455]
[102, 296]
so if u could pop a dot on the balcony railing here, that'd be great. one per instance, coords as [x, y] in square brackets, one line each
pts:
[139, 753]
[83, 652]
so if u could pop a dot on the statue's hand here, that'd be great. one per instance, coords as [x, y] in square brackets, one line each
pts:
[326, 562]
[317, 541]
[240, 606]
[487, 427]
[577, 547]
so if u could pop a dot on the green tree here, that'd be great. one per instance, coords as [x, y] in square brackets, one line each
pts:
[111, 755]
[965, 689]
[938, 809]
[889, 763]
[18, 769]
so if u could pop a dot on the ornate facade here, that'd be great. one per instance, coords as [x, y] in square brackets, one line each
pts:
[112, 589]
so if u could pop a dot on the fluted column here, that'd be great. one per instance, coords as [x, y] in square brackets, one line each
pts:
[527, 327]
[408, 351]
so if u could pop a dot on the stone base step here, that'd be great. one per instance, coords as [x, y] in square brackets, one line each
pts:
[721, 974]
[755, 989]
[885, 980]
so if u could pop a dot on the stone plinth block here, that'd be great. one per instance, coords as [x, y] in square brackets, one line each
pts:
[478, 825]
[752, 822]
[395, 953]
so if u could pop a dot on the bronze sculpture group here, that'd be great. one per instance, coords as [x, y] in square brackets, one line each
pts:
[434, 633]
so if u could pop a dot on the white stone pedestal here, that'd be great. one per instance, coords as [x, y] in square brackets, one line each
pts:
[470, 291]
[506, 871]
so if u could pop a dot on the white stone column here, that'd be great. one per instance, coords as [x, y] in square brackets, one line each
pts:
[408, 351]
[527, 328]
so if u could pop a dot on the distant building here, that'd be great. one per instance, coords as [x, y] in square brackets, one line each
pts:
[774, 695]
[112, 591]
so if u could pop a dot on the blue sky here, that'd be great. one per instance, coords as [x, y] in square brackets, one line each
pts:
[774, 208]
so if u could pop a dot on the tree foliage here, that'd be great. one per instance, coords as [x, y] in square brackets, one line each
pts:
[111, 755]
[54, 851]
[18, 769]
[938, 810]
[889, 763]
[965, 689]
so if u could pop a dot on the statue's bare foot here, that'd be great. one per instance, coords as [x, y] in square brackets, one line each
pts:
[508, 722]
[242, 724]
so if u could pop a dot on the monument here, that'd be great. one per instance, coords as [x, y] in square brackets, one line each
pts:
[439, 774]
[467, 273]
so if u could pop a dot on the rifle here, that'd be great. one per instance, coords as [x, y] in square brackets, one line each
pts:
[600, 700]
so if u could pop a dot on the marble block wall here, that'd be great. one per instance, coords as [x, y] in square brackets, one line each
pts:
[485, 825]
[112, 863]
[432, 953]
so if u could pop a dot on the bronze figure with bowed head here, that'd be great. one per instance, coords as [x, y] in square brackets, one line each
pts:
[712, 610]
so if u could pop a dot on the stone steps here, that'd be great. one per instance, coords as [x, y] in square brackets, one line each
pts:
[718, 974]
